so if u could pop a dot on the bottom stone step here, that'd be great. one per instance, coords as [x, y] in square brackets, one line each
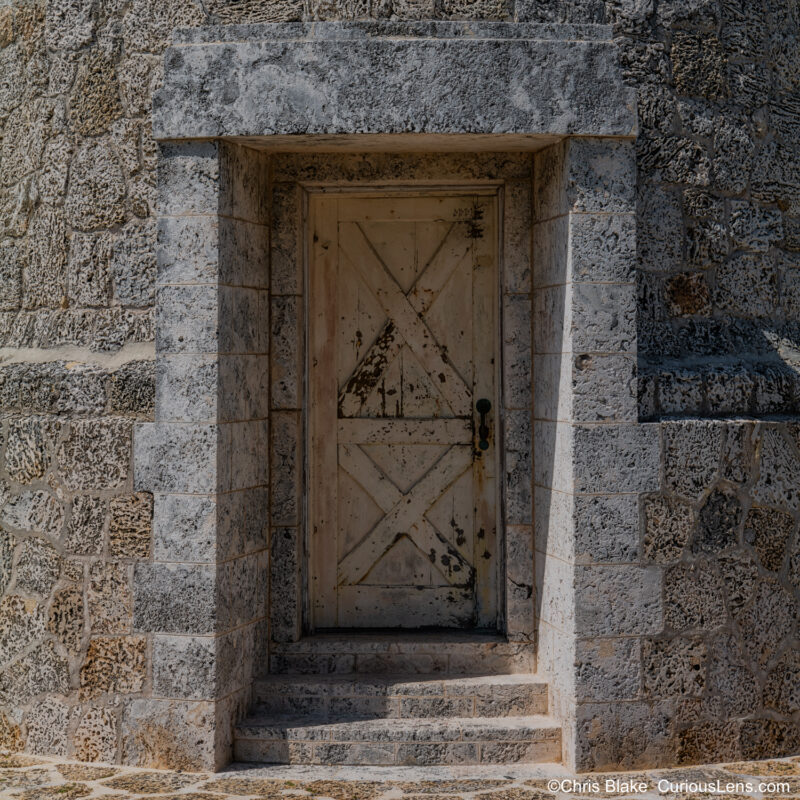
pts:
[396, 742]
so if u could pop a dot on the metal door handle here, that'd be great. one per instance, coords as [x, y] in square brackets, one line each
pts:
[483, 407]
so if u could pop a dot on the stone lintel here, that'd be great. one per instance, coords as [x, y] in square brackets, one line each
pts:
[325, 80]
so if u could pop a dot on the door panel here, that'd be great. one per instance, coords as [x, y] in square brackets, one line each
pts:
[402, 301]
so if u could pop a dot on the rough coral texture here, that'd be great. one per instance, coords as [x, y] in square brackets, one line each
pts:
[719, 204]
[725, 662]
[719, 307]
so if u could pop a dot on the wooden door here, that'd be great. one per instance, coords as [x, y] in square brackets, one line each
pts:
[402, 341]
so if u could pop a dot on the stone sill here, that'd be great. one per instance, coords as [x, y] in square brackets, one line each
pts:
[347, 31]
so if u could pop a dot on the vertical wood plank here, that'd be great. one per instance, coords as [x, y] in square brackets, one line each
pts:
[323, 393]
[484, 307]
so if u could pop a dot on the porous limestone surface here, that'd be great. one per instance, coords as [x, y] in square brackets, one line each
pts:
[346, 79]
[29, 778]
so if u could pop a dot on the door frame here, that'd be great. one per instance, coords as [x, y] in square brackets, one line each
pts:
[366, 189]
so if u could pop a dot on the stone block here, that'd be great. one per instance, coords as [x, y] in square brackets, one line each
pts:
[551, 251]
[618, 736]
[10, 275]
[244, 180]
[753, 227]
[109, 598]
[518, 487]
[242, 594]
[730, 678]
[519, 583]
[606, 529]
[170, 734]
[198, 98]
[242, 522]
[553, 445]
[608, 669]
[188, 319]
[285, 460]
[175, 598]
[244, 253]
[718, 523]
[286, 351]
[22, 623]
[38, 567]
[188, 387]
[246, 444]
[693, 598]
[601, 176]
[680, 393]
[176, 457]
[740, 576]
[618, 601]
[692, 453]
[40, 671]
[130, 525]
[284, 584]
[66, 619]
[517, 220]
[132, 389]
[603, 318]
[243, 387]
[688, 295]
[242, 329]
[668, 525]
[602, 248]
[184, 527]
[674, 668]
[552, 387]
[95, 738]
[188, 179]
[96, 194]
[659, 216]
[698, 65]
[196, 667]
[35, 511]
[603, 388]
[285, 266]
[86, 525]
[767, 531]
[747, 285]
[768, 621]
[779, 472]
[47, 725]
[88, 269]
[628, 455]
[728, 390]
[95, 454]
[517, 351]
[552, 312]
[782, 690]
[761, 738]
[114, 665]
[29, 445]
[189, 250]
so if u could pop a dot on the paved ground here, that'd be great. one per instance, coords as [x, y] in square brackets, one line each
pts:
[35, 778]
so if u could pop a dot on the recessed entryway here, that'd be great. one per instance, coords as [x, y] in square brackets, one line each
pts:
[402, 415]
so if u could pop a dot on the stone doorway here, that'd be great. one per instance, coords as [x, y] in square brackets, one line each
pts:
[402, 376]
[501, 185]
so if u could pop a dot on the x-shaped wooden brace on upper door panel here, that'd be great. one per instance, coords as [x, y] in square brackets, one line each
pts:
[405, 323]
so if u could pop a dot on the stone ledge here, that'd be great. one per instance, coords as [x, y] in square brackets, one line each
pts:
[393, 84]
[433, 29]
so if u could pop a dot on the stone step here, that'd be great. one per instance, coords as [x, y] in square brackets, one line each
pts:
[436, 652]
[402, 696]
[394, 742]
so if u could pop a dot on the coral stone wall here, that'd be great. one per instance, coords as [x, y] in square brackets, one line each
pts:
[719, 272]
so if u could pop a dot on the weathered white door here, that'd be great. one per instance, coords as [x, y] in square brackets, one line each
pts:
[402, 340]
